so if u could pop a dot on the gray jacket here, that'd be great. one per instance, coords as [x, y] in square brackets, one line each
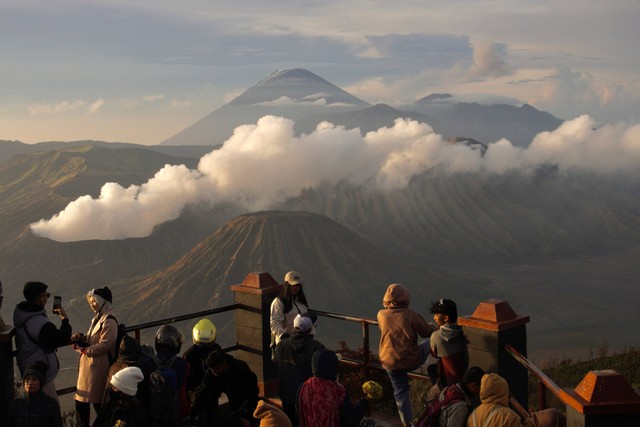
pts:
[37, 338]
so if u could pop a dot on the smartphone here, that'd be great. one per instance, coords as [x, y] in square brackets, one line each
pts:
[57, 303]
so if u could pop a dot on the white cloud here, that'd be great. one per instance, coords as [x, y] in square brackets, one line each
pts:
[489, 60]
[248, 169]
[60, 107]
[95, 106]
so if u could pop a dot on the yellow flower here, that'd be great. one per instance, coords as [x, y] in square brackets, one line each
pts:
[372, 389]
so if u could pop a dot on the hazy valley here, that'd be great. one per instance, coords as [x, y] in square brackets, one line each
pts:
[562, 247]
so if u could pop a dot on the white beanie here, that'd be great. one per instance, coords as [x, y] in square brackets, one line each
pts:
[127, 379]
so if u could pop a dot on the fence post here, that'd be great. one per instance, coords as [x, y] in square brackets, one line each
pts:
[493, 325]
[602, 399]
[6, 370]
[256, 292]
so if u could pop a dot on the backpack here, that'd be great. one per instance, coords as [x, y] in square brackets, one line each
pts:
[122, 331]
[432, 409]
[163, 393]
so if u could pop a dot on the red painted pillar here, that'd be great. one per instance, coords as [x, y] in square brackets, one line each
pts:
[256, 292]
[603, 398]
[493, 325]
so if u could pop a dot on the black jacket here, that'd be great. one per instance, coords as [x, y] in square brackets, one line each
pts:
[34, 410]
[240, 385]
[125, 409]
[293, 357]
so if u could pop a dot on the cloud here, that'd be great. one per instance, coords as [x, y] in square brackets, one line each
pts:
[95, 106]
[264, 163]
[60, 107]
[131, 103]
[567, 90]
[489, 60]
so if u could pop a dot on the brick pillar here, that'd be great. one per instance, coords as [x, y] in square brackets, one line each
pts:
[256, 292]
[6, 370]
[493, 325]
[602, 399]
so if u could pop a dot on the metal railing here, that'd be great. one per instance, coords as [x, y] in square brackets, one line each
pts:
[137, 328]
[366, 363]
[544, 382]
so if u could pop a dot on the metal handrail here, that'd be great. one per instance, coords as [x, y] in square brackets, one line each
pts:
[366, 363]
[155, 323]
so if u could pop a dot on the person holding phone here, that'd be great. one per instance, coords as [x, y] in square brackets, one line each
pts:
[37, 337]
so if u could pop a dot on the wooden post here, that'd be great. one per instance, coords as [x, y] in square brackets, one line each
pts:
[256, 292]
[6, 370]
[493, 325]
[603, 398]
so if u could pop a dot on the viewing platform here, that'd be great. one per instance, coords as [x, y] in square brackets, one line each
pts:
[497, 342]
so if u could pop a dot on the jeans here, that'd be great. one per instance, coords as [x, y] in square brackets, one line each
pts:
[400, 382]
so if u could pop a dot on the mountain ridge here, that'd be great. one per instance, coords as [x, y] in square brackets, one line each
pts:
[307, 99]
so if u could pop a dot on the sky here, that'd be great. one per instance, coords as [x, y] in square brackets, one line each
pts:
[141, 71]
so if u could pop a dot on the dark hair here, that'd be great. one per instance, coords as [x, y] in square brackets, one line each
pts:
[473, 375]
[446, 306]
[287, 297]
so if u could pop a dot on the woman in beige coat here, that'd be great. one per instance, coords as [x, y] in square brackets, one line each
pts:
[94, 349]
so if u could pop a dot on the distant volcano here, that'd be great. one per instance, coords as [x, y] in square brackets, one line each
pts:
[308, 99]
[297, 85]
[341, 271]
[296, 94]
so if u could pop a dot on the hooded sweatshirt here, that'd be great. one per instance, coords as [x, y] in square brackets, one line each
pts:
[37, 338]
[494, 408]
[293, 357]
[270, 415]
[399, 330]
[450, 346]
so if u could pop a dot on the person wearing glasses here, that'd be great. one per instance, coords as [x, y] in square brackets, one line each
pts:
[37, 337]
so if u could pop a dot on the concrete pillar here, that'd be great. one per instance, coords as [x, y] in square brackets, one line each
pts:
[256, 292]
[602, 399]
[493, 325]
[6, 370]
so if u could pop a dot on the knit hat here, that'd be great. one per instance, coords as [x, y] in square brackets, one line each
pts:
[293, 278]
[126, 380]
[130, 349]
[33, 290]
[214, 358]
[302, 323]
[104, 293]
[38, 370]
[324, 364]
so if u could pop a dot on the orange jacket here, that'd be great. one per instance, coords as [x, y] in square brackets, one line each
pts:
[399, 330]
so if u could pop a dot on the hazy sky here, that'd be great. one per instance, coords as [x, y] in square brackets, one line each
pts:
[140, 71]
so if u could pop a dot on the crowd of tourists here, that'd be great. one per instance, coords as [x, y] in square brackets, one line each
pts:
[132, 385]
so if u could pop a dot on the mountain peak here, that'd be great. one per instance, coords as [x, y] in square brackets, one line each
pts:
[291, 74]
[296, 86]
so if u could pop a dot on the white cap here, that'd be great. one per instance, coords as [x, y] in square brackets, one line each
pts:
[293, 278]
[302, 323]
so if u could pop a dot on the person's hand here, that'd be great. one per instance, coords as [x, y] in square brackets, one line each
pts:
[77, 337]
[79, 349]
[528, 422]
[61, 312]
